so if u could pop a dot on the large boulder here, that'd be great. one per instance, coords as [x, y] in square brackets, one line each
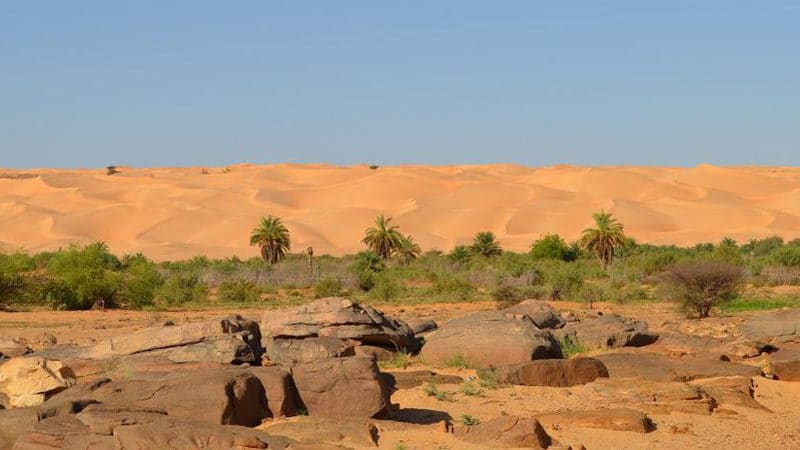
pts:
[608, 331]
[490, 339]
[342, 387]
[542, 314]
[222, 332]
[290, 352]
[656, 367]
[30, 381]
[551, 372]
[122, 428]
[506, 432]
[336, 317]
[224, 397]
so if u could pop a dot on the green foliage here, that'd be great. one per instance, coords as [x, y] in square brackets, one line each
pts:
[485, 245]
[605, 238]
[757, 303]
[327, 287]
[563, 279]
[457, 361]
[507, 296]
[591, 294]
[571, 346]
[451, 288]
[81, 276]
[141, 280]
[552, 246]
[386, 289]
[762, 247]
[238, 291]
[14, 280]
[407, 250]
[431, 390]
[488, 378]
[383, 239]
[272, 237]
[182, 288]
[460, 255]
[399, 360]
[469, 421]
[788, 256]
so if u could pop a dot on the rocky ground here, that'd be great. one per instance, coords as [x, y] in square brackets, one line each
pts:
[333, 374]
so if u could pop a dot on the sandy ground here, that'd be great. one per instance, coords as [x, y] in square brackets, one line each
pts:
[173, 213]
[416, 424]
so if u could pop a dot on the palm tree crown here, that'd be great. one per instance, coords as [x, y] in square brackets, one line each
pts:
[602, 240]
[408, 250]
[273, 238]
[383, 238]
[485, 244]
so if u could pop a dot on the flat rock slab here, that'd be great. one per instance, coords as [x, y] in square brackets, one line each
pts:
[490, 339]
[113, 428]
[550, 372]
[11, 348]
[318, 431]
[507, 432]
[26, 381]
[773, 327]
[542, 314]
[289, 352]
[416, 378]
[656, 367]
[618, 419]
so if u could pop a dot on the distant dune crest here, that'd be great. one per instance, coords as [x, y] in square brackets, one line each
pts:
[175, 213]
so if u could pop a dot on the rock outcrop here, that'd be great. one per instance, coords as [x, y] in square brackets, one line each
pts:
[28, 381]
[542, 314]
[550, 372]
[608, 331]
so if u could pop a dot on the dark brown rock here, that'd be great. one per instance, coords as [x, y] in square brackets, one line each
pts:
[420, 326]
[542, 314]
[551, 372]
[489, 339]
[342, 387]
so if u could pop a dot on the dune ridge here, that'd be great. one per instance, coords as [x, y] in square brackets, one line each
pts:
[176, 213]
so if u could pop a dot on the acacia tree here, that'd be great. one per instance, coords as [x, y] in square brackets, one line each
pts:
[383, 238]
[608, 235]
[701, 286]
[272, 236]
[485, 244]
[408, 250]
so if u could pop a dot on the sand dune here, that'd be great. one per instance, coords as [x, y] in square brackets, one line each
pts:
[172, 213]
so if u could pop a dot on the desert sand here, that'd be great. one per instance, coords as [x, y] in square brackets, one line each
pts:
[175, 213]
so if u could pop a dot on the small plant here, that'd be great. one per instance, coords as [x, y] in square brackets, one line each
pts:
[469, 421]
[226, 170]
[238, 291]
[470, 390]
[111, 170]
[571, 346]
[432, 390]
[399, 360]
[400, 446]
[487, 378]
[457, 361]
[302, 411]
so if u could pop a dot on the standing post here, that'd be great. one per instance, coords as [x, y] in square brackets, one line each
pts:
[310, 252]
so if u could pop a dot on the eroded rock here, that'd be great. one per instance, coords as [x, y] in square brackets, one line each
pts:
[542, 314]
[26, 381]
[507, 432]
[551, 372]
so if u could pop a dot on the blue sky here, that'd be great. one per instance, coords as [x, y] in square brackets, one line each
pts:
[152, 83]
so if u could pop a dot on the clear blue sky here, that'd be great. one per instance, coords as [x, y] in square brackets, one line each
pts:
[150, 83]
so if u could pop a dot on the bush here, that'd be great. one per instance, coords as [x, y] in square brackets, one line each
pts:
[563, 279]
[239, 291]
[182, 288]
[787, 256]
[14, 280]
[81, 276]
[551, 246]
[327, 287]
[386, 289]
[507, 296]
[701, 286]
[591, 294]
[140, 281]
[448, 287]
[781, 275]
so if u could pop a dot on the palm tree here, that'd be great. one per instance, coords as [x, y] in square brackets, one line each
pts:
[383, 238]
[605, 238]
[484, 244]
[273, 238]
[408, 250]
[459, 255]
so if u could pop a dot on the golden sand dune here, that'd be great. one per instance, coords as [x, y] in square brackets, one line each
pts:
[173, 213]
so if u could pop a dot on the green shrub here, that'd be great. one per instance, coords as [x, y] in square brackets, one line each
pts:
[470, 390]
[81, 276]
[469, 421]
[432, 390]
[327, 287]
[140, 281]
[238, 291]
[386, 289]
[563, 279]
[14, 278]
[571, 346]
[507, 296]
[457, 361]
[448, 287]
[786, 256]
[182, 288]
[591, 294]
[552, 246]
